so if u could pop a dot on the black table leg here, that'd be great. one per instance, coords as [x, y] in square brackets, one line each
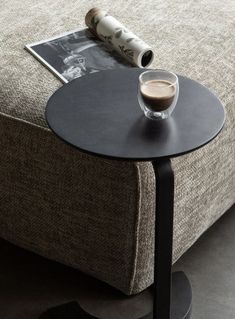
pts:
[172, 292]
[163, 238]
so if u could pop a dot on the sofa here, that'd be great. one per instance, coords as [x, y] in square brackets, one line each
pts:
[90, 213]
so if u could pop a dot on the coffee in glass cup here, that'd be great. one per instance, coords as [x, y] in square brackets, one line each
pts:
[158, 93]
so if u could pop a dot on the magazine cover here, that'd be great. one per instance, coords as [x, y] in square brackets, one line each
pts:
[75, 54]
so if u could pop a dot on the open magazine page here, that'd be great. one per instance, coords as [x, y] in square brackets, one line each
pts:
[76, 54]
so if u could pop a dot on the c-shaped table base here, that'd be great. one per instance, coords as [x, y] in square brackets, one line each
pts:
[172, 292]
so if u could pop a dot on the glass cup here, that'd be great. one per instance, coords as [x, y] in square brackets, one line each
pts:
[158, 93]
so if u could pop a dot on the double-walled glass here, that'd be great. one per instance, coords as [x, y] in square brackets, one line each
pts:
[158, 93]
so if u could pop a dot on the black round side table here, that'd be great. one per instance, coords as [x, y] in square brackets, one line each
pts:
[99, 114]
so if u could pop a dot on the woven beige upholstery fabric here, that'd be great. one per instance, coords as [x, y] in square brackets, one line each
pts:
[93, 214]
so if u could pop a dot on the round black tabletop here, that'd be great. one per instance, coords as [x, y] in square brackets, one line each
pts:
[99, 114]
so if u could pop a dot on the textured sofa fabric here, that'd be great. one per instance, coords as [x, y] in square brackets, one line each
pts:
[93, 214]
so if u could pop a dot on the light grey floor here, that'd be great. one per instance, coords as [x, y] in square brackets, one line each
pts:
[30, 284]
[210, 266]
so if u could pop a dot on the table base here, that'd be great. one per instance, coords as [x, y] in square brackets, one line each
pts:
[181, 304]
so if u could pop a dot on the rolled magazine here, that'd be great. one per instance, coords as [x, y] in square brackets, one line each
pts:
[105, 44]
[115, 34]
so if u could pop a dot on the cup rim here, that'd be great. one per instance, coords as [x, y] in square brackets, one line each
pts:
[155, 71]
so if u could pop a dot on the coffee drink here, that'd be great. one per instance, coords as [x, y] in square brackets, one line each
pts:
[157, 95]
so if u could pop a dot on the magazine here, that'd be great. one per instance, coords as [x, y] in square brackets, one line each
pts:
[105, 44]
